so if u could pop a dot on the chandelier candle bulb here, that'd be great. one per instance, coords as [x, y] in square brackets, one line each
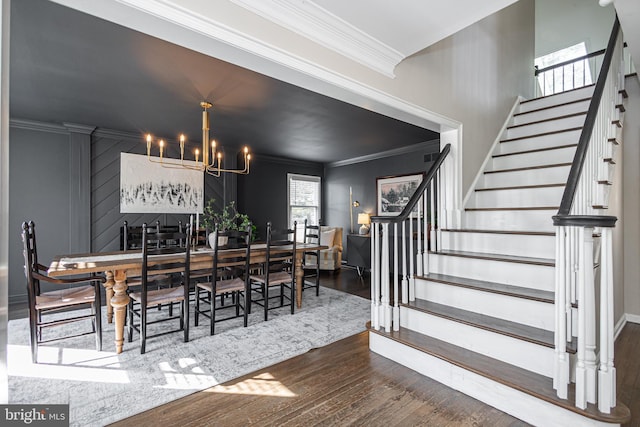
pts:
[161, 148]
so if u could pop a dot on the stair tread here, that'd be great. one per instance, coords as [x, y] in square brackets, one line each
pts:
[557, 94]
[536, 150]
[509, 375]
[550, 262]
[501, 326]
[517, 208]
[551, 106]
[520, 187]
[541, 134]
[520, 232]
[565, 116]
[553, 165]
[493, 287]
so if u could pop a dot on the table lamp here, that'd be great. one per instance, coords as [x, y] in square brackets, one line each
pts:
[364, 221]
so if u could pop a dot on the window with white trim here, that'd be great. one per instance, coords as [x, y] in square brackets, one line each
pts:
[304, 195]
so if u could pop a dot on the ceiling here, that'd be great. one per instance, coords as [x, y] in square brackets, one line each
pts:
[67, 66]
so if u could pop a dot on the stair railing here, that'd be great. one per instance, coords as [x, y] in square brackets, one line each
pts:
[579, 217]
[424, 212]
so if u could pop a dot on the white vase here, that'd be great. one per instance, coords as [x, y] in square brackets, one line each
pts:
[222, 240]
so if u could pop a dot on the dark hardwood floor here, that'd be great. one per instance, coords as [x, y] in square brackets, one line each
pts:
[346, 384]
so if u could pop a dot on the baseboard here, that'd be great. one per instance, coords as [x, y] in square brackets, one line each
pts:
[633, 318]
[619, 326]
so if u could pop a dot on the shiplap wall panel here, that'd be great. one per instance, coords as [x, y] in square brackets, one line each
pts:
[106, 219]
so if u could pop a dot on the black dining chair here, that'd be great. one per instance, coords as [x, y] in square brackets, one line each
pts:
[172, 261]
[277, 272]
[229, 275]
[311, 259]
[66, 301]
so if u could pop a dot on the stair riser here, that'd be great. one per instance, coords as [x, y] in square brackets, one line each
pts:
[526, 355]
[556, 99]
[545, 196]
[525, 311]
[510, 273]
[543, 127]
[507, 399]
[548, 113]
[508, 244]
[538, 158]
[538, 220]
[543, 141]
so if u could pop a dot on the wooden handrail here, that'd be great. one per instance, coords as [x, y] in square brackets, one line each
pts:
[570, 61]
[587, 130]
[418, 193]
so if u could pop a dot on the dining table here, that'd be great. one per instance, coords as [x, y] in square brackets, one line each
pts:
[118, 265]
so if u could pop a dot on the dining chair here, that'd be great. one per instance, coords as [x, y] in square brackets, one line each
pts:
[311, 259]
[172, 261]
[277, 271]
[66, 301]
[229, 275]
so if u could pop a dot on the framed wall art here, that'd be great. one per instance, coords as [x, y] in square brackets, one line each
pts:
[394, 192]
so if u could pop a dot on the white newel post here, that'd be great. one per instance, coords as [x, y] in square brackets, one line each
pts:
[385, 314]
[396, 305]
[561, 376]
[607, 371]
[375, 277]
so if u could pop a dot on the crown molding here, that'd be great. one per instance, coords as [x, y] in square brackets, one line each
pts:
[38, 126]
[433, 144]
[321, 26]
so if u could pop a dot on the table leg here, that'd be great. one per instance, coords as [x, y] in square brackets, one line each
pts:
[299, 278]
[119, 302]
[108, 288]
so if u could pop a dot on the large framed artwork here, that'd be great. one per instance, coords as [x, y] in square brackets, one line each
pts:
[147, 187]
[394, 192]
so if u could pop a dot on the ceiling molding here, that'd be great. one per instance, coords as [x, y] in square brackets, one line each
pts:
[433, 146]
[38, 126]
[321, 26]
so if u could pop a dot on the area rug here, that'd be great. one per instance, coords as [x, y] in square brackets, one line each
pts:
[103, 387]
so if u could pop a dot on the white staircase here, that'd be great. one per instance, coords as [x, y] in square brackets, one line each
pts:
[482, 320]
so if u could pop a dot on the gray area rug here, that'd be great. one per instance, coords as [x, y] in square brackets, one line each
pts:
[103, 387]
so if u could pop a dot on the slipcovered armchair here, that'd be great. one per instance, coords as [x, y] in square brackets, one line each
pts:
[331, 258]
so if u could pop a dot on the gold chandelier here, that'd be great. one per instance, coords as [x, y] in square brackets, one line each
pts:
[211, 157]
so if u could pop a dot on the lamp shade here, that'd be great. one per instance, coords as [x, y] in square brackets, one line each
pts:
[363, 219]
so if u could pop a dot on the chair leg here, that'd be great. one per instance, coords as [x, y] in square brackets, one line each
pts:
[213, 313]
[318, 281]
[265, 299]
[247, 301]
[291, 301]
[143, 328]
[197, 313]
[98, 319]
[33, 332]
[130, 321]
[281, 294]
[236, 298]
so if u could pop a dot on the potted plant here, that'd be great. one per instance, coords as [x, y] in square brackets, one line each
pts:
[226, 220]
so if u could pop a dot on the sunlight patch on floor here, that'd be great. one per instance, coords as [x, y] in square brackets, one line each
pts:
[66, 364]
[261, 385]
[185, 375]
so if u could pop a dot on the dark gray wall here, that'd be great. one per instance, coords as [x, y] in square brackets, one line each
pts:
[39, 181]
[361, 177]
[263, 193]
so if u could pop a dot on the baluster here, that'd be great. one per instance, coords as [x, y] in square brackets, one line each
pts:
[385, 314]
[375, 277]
[405, 277]
[433, 216]
[412, 276]
[425, 253]
[607, 372]
[420, 249]
[396, 306]
[442, 220]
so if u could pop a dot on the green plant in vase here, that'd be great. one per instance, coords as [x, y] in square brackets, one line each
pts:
[228, 219]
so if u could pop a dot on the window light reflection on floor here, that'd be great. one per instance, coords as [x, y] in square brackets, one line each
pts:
[194, 377]
[66, 364]
[263, 384]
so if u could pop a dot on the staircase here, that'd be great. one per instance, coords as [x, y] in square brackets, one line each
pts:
[482, 315]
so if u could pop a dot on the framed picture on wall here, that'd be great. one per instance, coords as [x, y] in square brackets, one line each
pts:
[394, 192]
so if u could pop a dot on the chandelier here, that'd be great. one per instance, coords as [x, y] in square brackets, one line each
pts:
[211, 162]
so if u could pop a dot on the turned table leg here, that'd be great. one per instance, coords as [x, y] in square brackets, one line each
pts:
[119, 302]
[299, 278]
[108, 288]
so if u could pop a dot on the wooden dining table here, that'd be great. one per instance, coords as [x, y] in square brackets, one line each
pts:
[118, 265]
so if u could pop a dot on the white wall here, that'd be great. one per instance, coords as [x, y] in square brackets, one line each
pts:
[564, 23]
[631, 201]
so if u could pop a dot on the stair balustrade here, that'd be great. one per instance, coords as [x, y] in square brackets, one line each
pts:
[579, 218]
[403, 262]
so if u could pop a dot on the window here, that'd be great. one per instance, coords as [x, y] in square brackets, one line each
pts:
[304, 201]
[570, 76]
